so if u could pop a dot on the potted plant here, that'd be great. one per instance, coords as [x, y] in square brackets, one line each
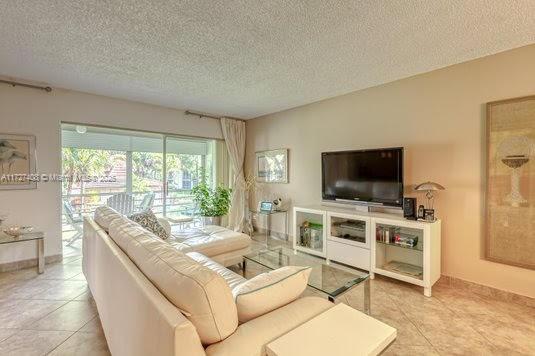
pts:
[212, 203]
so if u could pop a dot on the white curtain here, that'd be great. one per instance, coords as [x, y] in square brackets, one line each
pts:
[234, 134]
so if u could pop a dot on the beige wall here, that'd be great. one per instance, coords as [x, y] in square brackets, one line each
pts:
[439, 118]
[29, 111]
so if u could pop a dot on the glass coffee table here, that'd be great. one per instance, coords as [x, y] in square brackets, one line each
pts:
[328, 279]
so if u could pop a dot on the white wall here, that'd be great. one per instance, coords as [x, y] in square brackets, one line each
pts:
[34, 112]
[439, 117]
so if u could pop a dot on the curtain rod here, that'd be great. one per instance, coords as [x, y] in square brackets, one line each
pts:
[47, 89]
[200, 115]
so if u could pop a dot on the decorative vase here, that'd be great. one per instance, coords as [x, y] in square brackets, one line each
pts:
[515, 152]
[515, 162]
[211, 220]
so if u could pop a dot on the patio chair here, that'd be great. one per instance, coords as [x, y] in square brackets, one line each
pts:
[75, 220]
[122, 203]
[147, 202]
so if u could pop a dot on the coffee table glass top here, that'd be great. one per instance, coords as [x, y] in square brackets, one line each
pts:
[332, 280]
[7, 239]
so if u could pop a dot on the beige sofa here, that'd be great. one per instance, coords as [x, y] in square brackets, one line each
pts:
[160, 298]
[222, 245]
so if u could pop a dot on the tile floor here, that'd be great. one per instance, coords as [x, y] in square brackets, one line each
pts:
[54, 314]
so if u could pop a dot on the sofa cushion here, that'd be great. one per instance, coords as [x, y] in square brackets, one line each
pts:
[269, 291]
[149, 221]
[213, 240]
[104, 215]
[233, 279]
[200, 293]
[250, 338]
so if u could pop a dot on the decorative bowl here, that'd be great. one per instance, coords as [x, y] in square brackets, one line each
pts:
[13, 231]
[18, 230]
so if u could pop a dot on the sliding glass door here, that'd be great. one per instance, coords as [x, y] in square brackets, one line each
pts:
[187, 162]
[130, 171]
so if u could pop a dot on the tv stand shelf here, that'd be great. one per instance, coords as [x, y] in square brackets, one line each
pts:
[382, 243]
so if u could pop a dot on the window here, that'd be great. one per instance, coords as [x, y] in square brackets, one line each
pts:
[154, 170]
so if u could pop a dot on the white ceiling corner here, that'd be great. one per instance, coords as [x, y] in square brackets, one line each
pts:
[248, 58]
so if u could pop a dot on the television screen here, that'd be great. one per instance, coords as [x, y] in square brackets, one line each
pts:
[368, 176]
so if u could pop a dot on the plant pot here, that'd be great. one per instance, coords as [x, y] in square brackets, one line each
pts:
[211, 220]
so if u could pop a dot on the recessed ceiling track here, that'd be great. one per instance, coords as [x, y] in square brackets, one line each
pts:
[14, 84]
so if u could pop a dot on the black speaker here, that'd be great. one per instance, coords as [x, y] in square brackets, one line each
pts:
[409, 208]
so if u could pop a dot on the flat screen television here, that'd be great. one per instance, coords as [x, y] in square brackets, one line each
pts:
[373, 177]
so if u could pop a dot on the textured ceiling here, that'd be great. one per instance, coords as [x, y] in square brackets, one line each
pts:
[248, 58]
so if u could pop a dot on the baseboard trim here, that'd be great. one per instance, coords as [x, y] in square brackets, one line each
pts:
[487, 291]
[32, 262]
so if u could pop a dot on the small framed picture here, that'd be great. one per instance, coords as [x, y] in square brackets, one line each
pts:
[421, 214]
[429, 215]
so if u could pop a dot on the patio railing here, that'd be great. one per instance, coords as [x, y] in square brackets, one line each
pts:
[177, 201]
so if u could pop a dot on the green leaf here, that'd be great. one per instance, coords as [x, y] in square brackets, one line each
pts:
[212, 202]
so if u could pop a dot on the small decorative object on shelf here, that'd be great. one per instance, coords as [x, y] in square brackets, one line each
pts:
[421, 212]
[429, 215]
[406, 240]
[311, 235]
[394, 235]
[309, 230]
[429, 188]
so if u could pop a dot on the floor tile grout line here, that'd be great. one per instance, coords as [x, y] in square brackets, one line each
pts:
[62, 305]
[457, 314]
[87, 323]
[20, 330]
[47, 314]
[61, 343]
[488, 340]
[74, 333]
[415, 326]
[9, 337]
[421, 332]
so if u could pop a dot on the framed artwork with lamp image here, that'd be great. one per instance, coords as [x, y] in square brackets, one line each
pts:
[510, 182]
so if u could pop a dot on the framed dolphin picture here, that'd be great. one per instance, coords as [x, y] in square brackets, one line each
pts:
[17, 162]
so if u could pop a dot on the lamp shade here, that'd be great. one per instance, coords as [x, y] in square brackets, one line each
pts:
[427, 186]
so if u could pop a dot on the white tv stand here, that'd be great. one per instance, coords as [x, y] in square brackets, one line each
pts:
[366, 240]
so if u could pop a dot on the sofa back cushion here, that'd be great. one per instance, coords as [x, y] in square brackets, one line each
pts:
[104, 215]
[270, 291]
[200, 293]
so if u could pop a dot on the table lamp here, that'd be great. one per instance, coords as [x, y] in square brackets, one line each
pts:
[429, 187]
